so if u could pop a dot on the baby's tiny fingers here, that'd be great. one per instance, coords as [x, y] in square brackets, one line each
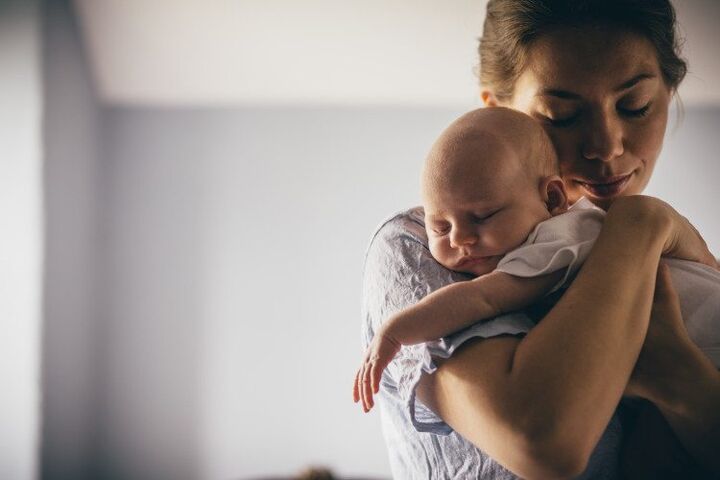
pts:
[364, 389]
[367, 388]
[375, 374]
[356, 391]
[361, 393]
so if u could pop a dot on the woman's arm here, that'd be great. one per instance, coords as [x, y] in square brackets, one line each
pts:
[538, 405]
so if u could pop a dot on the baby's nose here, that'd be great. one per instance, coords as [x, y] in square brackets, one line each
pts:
[463, 237]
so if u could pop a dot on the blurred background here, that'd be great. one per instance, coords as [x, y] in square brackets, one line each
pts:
[187, 188]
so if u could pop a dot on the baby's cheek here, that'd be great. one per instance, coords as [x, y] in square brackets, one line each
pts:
[441, 251]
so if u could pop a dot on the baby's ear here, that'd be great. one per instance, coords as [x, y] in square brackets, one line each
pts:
[552, 191]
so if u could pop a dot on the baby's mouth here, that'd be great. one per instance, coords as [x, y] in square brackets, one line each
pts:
[473, 260]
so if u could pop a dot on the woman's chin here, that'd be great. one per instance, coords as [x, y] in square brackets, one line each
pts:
[601, 202]
[604, 195]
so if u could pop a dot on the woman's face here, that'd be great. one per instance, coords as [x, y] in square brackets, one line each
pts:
[600, 95]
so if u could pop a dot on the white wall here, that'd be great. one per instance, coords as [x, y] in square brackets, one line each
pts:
[202, 286]
[148, 388]
[20, 237]
[71, 137]
[688, 170]
[237, 239]
[286, 52]
[236, 243]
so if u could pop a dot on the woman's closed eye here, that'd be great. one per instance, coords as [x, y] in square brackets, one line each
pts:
[568, 120]
[635, 112]
[560, 118]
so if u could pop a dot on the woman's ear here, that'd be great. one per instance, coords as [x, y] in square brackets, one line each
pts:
[552, 191]
[488, 98]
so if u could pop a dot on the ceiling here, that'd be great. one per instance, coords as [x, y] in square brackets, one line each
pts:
[318, 52]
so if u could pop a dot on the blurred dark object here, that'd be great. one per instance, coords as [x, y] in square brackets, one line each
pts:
[316, 473]
[650, 448]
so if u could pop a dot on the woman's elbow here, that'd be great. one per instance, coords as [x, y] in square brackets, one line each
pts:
[543, 454]
[546, 458]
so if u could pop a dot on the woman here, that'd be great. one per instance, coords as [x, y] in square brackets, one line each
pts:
[541, 399]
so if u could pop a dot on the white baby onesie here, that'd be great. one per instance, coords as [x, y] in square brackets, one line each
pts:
[565, 241]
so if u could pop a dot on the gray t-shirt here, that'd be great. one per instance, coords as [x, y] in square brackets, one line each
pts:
[399, 271]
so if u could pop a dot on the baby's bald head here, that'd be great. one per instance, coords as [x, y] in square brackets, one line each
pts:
[488, 181]
[486, 145]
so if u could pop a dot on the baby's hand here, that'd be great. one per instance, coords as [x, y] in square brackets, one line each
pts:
[379, 354]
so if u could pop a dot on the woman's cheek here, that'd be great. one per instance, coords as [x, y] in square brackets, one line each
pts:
[653, 136]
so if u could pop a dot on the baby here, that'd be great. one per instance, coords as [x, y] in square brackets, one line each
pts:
[496, 208]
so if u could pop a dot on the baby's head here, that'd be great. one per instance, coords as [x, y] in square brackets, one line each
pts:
[489, 179]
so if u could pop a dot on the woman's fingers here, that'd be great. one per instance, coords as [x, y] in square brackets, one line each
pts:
[682, 240]
[663, 283]
[686, 242]
[706, 257]
[666, 303]
[664, 288]
[666, 343]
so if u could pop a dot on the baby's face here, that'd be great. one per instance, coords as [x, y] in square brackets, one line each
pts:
[482, 210]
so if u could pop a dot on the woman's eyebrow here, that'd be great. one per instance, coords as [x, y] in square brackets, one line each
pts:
[554, 92]
[567, 95]
[634, 81]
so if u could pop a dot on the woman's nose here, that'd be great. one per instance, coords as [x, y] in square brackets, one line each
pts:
[462, 236]
[604, 138]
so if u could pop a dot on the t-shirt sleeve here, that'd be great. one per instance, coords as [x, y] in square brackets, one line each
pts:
[399, 271]
[562, 242]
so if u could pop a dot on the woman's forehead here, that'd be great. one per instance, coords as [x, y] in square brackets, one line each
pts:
[587, 60]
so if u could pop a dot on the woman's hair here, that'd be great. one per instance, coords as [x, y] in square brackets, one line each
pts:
[512, 25]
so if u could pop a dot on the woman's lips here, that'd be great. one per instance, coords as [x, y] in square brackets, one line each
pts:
[605, 187]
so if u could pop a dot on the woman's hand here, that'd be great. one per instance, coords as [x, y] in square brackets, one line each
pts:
[666, 344]
[681, 238]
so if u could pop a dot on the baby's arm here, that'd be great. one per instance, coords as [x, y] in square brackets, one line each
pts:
[461, 304]
[447, 310]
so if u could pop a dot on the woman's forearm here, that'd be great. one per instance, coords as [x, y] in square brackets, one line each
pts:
[541, 403]
[573, 367]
